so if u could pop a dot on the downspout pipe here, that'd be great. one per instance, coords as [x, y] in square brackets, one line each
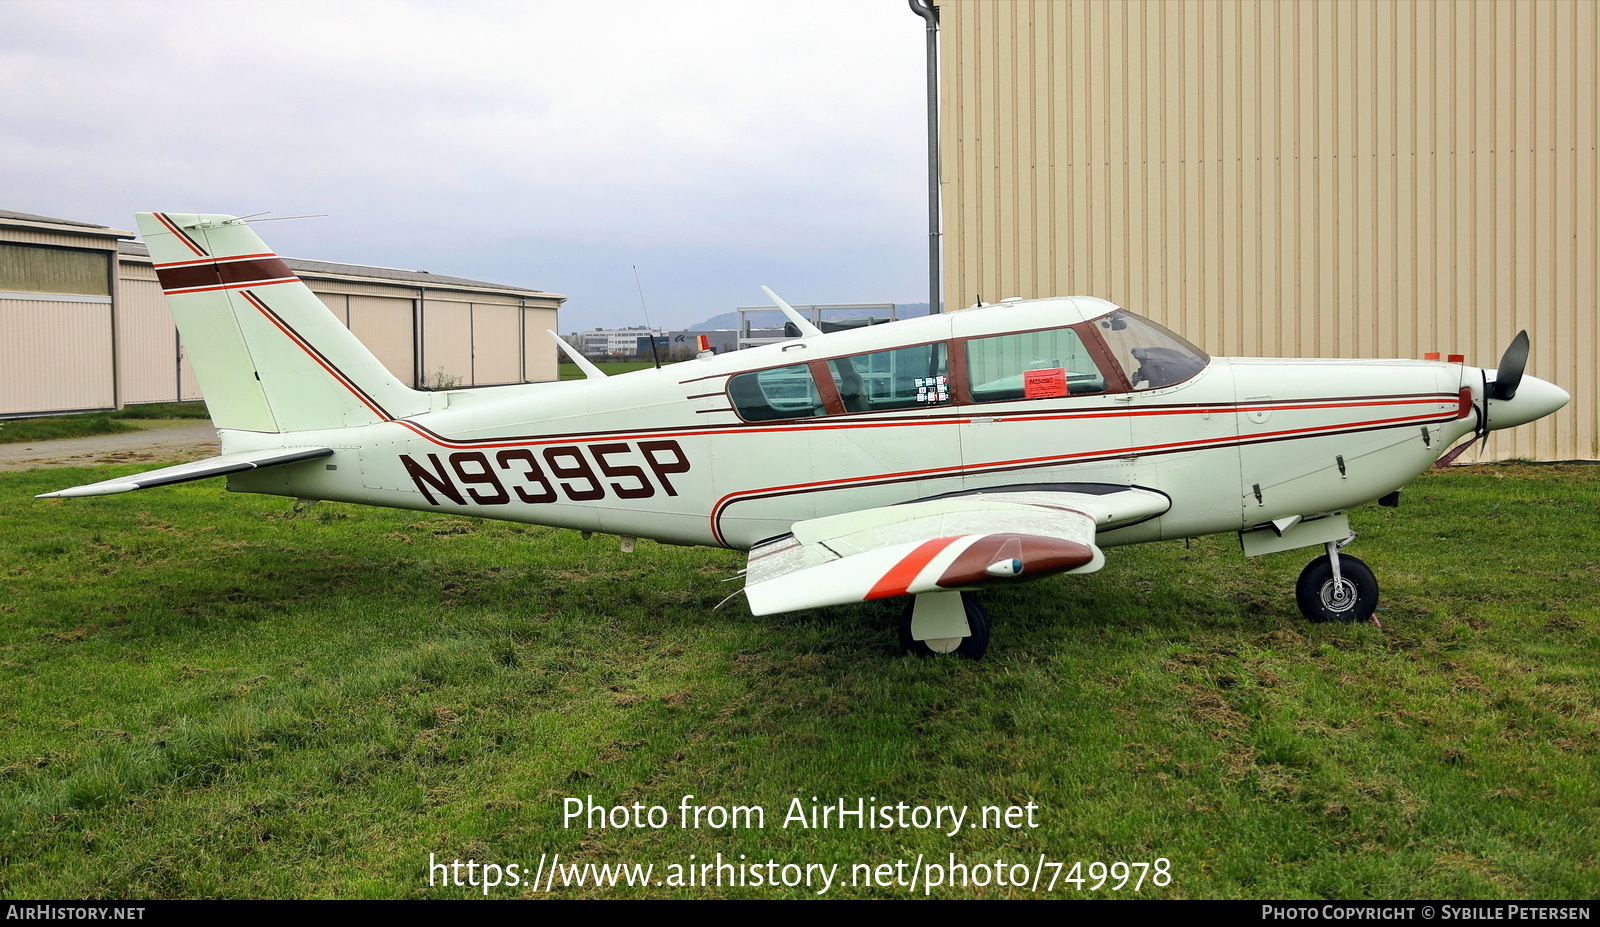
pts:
[930, 13]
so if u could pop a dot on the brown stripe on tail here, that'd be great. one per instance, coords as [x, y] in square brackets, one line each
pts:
[228, 274]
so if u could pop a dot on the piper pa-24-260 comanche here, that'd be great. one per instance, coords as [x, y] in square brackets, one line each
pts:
[927, 458]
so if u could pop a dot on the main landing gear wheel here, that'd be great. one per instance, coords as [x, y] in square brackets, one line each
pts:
[1353, 598]
[973, 646]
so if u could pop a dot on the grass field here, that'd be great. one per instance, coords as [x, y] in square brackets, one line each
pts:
[206, 695]
[569, 371]
[17, 431]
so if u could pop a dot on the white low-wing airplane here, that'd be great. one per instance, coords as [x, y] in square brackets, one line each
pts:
[926, 458]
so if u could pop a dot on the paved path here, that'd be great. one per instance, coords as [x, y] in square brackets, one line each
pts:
[156, 442]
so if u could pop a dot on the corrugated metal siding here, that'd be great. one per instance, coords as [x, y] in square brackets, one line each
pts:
[60, 239]
[385, 326]
[147, 341]
[57, 352]
[1290, 178]
[538, 351]
[55, 355]
[497, 344]
[323, 287]
[446, 343]
[339, 305]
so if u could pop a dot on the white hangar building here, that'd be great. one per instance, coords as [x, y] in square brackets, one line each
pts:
[83, 324]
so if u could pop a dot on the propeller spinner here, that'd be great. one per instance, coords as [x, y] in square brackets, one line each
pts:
[1539, 399]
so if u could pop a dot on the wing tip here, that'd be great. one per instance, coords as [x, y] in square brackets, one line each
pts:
[91, 489]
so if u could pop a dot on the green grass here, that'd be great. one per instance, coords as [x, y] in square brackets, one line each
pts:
[17, 431]
[164, 410]
[206, 695]
[569, 371]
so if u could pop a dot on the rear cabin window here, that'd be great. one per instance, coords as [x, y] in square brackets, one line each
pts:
[1031, 365]
[906, 378]
[767, 395]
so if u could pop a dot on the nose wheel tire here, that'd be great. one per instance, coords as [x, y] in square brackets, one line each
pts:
[972, 647]
[1353, 598]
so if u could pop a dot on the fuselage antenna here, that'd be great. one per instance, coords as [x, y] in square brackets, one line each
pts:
[655, 354]
[320, 215]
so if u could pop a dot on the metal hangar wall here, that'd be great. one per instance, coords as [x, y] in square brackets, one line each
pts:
[1311, 178]
[83, 323]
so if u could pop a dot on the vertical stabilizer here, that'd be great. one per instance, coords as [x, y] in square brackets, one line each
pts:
[268, 354]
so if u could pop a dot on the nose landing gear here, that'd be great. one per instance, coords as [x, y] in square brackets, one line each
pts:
[1336, 587]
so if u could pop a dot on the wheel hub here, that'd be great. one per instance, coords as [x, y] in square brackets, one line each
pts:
[1338, 596]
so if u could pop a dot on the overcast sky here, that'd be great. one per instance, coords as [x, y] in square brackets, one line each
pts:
[717, 145]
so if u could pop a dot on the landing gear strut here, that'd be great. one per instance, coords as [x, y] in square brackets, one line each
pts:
[956, 617]
[1336, 587]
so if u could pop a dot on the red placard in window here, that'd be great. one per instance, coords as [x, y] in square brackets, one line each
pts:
[1044, 384]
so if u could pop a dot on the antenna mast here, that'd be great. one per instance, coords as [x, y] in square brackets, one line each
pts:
[655, 354]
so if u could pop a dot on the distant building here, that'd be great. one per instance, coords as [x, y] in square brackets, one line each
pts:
[83, 324]
[601, 343]
[685, 344]
[634, 343]
[837, 317]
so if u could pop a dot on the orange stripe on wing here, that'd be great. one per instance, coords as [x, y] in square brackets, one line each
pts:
[900, 576]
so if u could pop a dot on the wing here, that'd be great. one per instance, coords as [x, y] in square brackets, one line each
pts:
[940, 545]
[199, 470]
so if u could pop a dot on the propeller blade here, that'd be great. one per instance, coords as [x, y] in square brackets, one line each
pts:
[1509, 374]
[1450, 458]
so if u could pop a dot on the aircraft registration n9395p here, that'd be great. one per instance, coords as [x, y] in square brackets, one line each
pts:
[926, 458]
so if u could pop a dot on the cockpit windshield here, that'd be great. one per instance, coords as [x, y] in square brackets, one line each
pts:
[1150, 355]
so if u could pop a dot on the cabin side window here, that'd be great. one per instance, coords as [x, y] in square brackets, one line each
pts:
[906, 378]
[779, 393]
[1031, 365]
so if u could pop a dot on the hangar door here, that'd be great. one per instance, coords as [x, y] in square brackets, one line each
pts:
[55, 329]
[383, 323]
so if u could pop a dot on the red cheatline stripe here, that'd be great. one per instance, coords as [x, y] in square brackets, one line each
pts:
[218, 260]
[901, 575]
[231, 286]
[182, 236]
[965, 418]
[1027, 462]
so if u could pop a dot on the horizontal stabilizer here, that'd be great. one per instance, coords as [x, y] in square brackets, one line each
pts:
[199, 470]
